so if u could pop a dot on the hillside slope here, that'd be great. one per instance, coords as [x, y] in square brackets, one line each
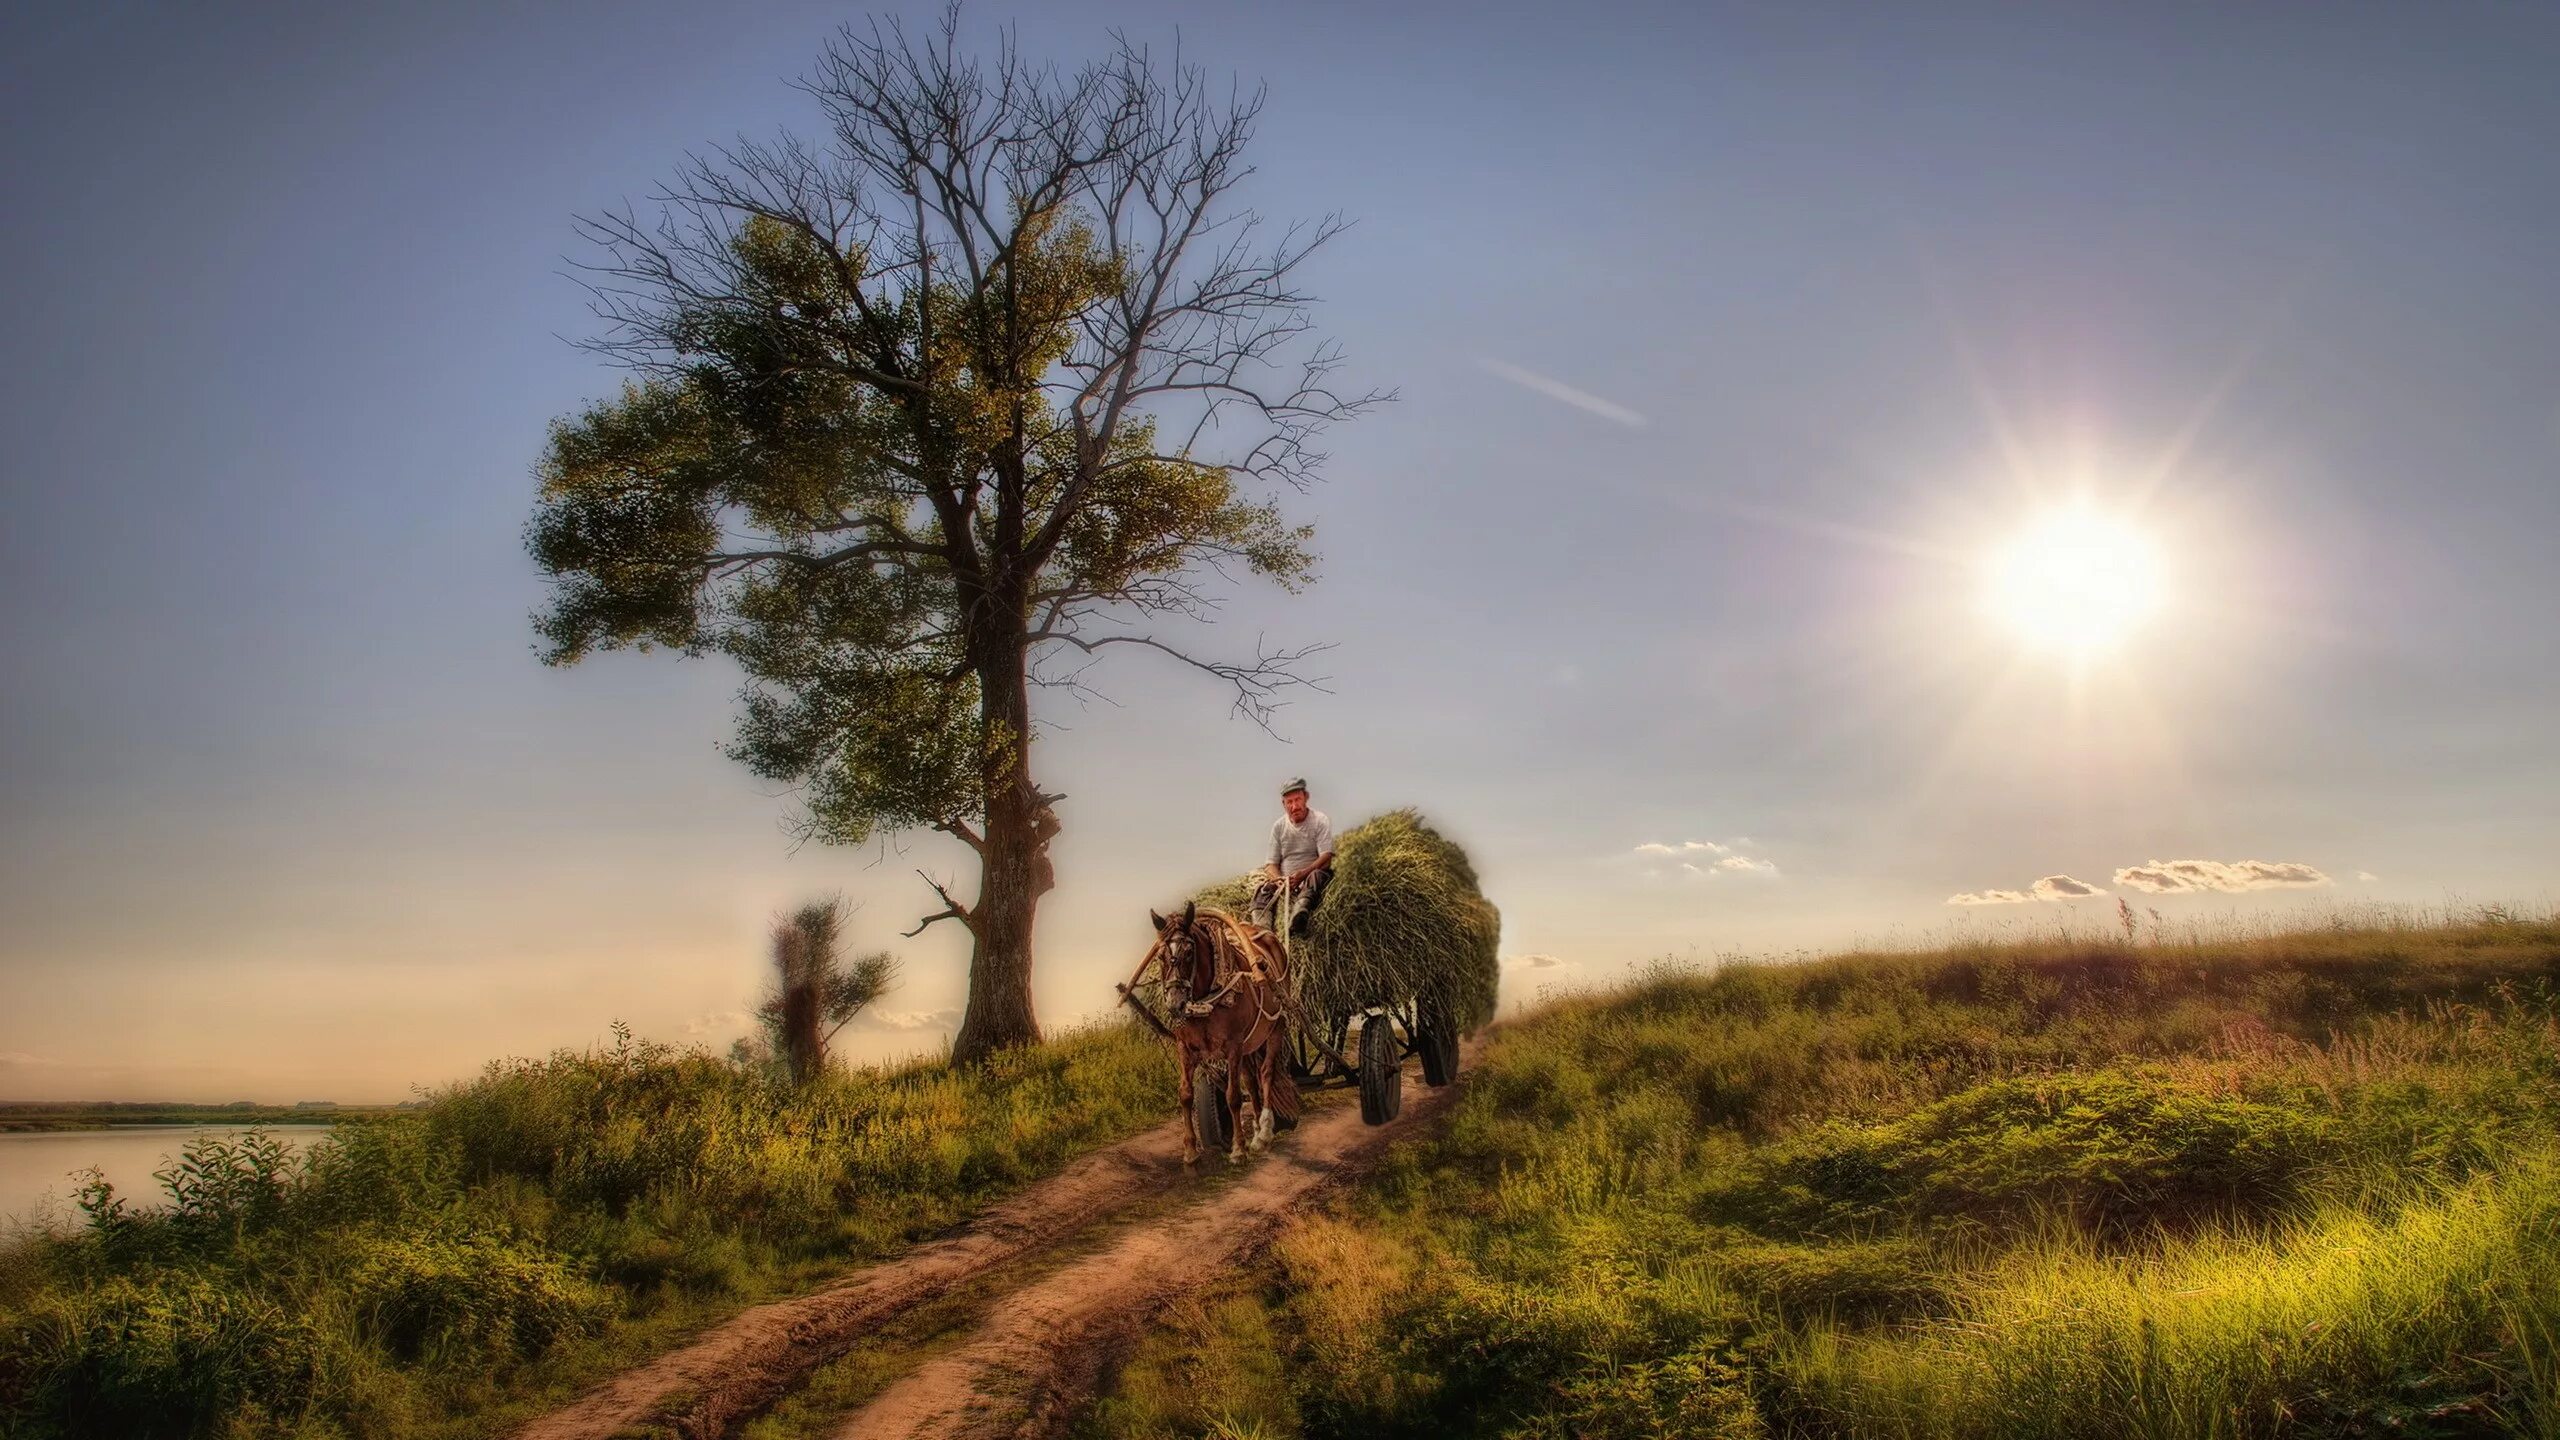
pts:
[2299, 1184]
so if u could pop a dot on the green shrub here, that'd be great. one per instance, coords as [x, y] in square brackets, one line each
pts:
[227, 1187]
[1844, 1280]
[1698, 1394]
[168, 1354]
[2117, 1151]
[473, 1295]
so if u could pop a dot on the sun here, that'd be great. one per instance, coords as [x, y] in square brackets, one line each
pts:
[2077, 581]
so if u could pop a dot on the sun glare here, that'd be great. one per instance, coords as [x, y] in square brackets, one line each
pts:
[2076, 581]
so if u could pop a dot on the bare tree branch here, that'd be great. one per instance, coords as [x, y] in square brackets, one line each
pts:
[1258, 683]
[951, 909]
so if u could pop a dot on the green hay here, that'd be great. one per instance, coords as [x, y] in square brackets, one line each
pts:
[1404, 917]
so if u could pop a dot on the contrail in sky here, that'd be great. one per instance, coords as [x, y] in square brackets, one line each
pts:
[1558, 390]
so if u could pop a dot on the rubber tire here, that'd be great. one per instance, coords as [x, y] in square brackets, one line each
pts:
[1209, 1113]
[1381, 1074]
[1439, 1051]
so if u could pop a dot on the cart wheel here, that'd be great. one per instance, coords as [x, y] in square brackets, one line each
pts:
[1439, 1050]
[1381, 1078]
[1209, 1112]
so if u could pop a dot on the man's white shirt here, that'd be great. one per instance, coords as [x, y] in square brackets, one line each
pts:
[1296, 846]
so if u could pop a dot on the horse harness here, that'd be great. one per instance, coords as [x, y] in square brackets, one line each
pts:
[1228, 936]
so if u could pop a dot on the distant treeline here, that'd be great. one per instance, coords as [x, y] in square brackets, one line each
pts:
[98, 1114]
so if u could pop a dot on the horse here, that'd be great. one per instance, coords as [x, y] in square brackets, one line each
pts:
[1228, 986]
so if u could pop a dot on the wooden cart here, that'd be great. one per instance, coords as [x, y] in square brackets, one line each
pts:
[1363, 1046]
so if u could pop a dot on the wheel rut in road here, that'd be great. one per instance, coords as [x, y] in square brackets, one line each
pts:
[708, 1387]
[1044, 1344]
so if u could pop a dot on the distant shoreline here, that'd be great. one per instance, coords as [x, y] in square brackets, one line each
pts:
[33, 1116]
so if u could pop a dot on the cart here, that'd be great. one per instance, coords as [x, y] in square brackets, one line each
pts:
[1363, 1046]
[1368, 1045]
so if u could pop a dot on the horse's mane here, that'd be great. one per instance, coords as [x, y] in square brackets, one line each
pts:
[1232, 940]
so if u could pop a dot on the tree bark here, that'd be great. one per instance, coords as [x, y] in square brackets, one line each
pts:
[1012, 859]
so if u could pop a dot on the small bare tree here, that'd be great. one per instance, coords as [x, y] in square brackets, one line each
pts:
[816, 994]
[991, 374]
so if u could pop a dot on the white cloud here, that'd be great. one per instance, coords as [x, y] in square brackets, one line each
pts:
[2367, 876]
[903, 1021]
[2179, 877]
[1533, 962]
[2051, 887]
[1555, 389]
[1701, 860]
[719, 1022]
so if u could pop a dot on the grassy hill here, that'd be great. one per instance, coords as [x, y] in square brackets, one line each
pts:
[439, 1271]
[2299, 1184]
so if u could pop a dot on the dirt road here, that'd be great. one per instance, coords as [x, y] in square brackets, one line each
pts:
[1046, 1342]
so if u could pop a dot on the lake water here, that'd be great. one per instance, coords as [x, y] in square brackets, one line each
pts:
[36, 1166]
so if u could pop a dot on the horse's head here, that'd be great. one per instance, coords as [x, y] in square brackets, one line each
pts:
[1182, 956]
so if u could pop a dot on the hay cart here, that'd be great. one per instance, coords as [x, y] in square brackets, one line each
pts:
[1399, 962]
[1364, 1039]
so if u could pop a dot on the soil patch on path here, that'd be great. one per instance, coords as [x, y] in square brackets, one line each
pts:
[708, 1387]
[1048, 1344]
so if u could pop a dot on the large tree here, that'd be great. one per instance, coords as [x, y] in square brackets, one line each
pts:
[928, 411]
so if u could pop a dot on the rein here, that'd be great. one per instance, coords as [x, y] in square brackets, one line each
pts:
[1226, 946]
[1222, 943]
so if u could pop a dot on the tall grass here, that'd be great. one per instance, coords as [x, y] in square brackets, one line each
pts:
[2434, 1315]
[444, 1269]
[2264, 1184]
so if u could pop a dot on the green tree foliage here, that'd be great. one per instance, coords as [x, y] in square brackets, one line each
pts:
[990, 378]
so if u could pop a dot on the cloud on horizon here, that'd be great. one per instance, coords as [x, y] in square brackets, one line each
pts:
[2182, 877]
[1702, 860]
[1555, 389]
[1534, 962]
[2051, 887]
[905, 1021]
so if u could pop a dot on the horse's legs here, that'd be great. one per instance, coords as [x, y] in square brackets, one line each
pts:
[1190, 1124]
[1257, 1103]
[1240, 1106]
[1258, 1127]
[1267, 1073]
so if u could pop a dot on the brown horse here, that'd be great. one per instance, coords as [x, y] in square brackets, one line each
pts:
[1227, 984]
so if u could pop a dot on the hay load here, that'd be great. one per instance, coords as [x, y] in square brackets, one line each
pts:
[1404, 916]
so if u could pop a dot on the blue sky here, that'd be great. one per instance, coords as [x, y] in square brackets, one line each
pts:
[1728, 339]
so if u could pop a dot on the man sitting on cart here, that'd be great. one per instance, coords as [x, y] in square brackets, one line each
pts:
[1301, 861]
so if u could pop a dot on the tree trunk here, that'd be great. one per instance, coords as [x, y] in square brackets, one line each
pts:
[1012, 862]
